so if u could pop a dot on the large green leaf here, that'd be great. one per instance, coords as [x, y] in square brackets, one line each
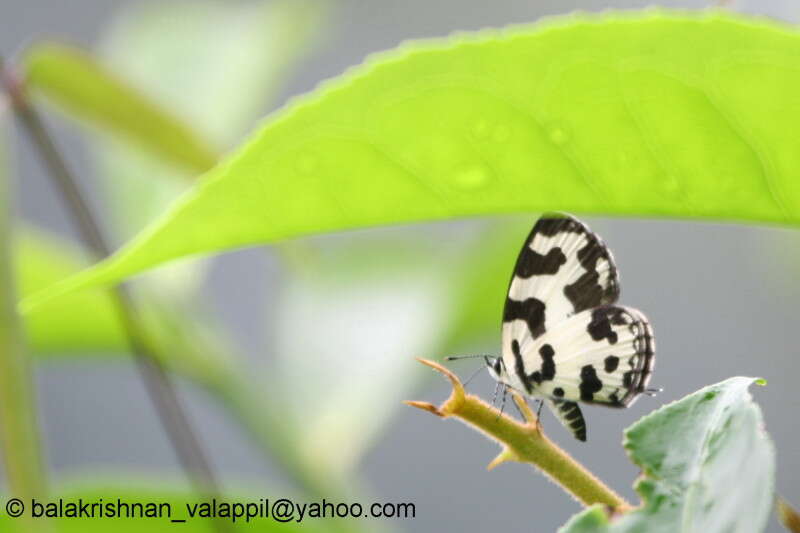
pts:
[707, 465]
[659, 114]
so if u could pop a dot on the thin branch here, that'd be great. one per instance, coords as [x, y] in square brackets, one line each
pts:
[161, 390]
[523, 443]
[19, 427]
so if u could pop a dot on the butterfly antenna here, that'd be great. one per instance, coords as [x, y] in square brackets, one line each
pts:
[457, 357]
[653, 392]
[539, 411]
[472, 376]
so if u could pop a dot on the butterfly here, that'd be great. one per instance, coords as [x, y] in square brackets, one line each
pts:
[564, 338]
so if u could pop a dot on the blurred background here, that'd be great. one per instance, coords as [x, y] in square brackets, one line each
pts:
[326, 328]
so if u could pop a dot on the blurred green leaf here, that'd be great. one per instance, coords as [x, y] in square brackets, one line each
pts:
[163, 50]
[708, 465]
[221, 85]
[87, 89]
[22, 450]
[218, 86]
[131, 489]
[648, 114]
[84, 322]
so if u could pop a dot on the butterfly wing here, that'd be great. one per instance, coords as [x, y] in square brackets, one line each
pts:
[603, 356]
[562, 337]
[563, 269]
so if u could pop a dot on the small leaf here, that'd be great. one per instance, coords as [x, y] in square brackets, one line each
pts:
[81, 85]
[708, 465]
[592, 520]
[657, 114]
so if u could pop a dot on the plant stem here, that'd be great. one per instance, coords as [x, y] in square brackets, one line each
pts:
[524, 443]
[157, 382]
[19, 428]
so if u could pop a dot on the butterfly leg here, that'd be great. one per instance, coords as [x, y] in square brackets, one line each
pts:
[539, 414]
[496, 388]
[503, 402]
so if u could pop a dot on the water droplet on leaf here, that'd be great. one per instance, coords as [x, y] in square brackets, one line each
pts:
[559, 136]
[471, 177]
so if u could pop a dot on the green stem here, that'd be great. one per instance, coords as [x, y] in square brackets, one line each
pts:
[160, 388]
[524, 443]
[19, 428]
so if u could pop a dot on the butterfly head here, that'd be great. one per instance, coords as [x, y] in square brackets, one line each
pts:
[497, 369]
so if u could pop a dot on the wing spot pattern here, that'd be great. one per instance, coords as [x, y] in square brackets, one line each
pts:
[530, 310]
[548, 362]
[611, 363]
[590, 383]
[519, 367]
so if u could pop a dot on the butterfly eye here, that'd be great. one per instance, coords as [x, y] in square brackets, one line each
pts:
[498, 363]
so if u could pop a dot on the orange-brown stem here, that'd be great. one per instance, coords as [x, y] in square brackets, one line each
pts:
[523, 442]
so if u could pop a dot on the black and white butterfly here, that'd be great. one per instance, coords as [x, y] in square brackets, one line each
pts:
[564, 339]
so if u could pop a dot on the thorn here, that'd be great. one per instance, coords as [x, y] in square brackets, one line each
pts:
[453, 403]
[503, 457]
[458, 389]
[425, 406]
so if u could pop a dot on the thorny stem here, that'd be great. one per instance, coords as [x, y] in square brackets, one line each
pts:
[19, 428]
[159, 387]
[523, 443]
